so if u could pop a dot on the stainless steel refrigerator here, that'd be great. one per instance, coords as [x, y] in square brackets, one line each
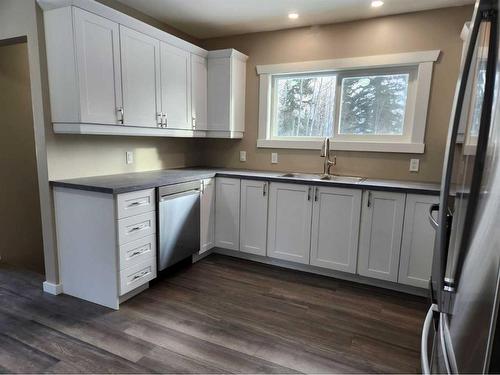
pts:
[460, 333]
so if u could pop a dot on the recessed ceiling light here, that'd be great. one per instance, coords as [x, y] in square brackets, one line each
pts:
[293, 15]
[377, 3]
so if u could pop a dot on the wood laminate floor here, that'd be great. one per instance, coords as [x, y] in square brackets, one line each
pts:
[220, 315]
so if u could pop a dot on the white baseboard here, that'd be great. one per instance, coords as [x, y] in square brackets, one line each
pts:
[51, 288]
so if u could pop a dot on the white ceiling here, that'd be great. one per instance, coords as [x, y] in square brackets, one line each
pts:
[210, 18]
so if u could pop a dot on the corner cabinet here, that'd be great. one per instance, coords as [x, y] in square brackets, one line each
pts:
[207, 215]
[382, 217]
[112, 74]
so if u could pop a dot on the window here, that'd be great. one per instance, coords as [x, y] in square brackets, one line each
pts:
[304, 105]
[361, 103]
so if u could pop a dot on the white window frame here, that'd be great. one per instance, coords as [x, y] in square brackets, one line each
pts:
[420, 63]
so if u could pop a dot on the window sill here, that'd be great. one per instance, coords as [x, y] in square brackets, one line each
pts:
[398, 147]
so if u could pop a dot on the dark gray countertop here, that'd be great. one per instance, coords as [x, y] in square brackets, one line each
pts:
[123, 183]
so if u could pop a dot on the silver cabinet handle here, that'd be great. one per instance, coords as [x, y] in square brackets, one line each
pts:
[165, 122]
[159, 119]
[193, 122]
[369, 202]
[316, 194]
[309, 193]
[264, 189]
[139, 275]
[433, 208]
[121, 115]
[137, 227]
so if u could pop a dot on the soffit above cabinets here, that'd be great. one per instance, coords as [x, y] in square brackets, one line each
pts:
[213, 18]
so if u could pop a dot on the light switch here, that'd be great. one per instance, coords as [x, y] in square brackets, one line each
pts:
[243, 156]
[414, 165]
[274, 158]
[129, 157]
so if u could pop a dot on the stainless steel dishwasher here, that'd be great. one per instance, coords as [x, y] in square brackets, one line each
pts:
[179, 222]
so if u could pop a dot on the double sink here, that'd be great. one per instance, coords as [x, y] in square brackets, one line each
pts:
[334, 178]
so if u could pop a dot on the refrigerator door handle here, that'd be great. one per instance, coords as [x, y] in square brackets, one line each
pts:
[433, 208]
[424, 353]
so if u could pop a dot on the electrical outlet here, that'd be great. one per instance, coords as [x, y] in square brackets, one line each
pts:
[243, 156]
[129, 157]
[274, 158]
[414, 165]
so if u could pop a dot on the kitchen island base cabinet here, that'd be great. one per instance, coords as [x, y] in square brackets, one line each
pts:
[418, 241]
[335, 228]
[382, 217]
[227, 213]
[253, 217]
[290, 208]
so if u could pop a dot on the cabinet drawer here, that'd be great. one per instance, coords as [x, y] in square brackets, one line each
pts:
[135, 203]
[135, 276]
[138, 251]
[135, 227]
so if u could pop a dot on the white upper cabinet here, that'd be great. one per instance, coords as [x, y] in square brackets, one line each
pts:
[226, 93]
[107, 69]
[199, 71]
[227, 213]
[335, 228]
[140, 78]
[418, 241]
[97, 48]
[175, 87]
[207, 215]
[382, 216]
[290, 208]
[253, 217]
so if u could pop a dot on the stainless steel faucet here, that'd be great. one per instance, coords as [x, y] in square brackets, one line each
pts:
[325, 153]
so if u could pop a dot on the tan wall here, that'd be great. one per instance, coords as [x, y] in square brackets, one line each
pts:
[437, 29]
[20, 221]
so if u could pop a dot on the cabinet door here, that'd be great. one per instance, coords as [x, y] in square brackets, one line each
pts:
[98, 65]
[335, 228]
[418, 241]
[207, 215]
[380, 238]
[227, 213]
[289, 230]
[176, 86]
[199, 92]
[253, 218]
[140, 77]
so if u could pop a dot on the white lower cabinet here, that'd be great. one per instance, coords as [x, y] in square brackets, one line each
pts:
[253, 217]
[335, 228]
[290, 207]
[207, 215]
[418, 241]
[106, 243]
[382, 217]
[227, 213]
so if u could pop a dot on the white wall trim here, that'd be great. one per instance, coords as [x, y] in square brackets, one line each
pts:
[375, 61]
[417, 108]
[52, 288]
[398, 147]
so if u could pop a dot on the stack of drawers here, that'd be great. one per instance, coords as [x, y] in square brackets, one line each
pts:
[136, 216]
